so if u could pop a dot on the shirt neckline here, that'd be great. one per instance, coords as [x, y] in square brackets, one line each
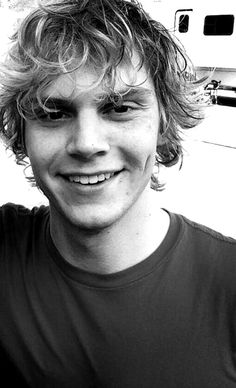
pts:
[122, 278]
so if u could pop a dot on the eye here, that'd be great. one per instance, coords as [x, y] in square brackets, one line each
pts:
[53, 116]
[56, 115]
[121, 109]
[115, 109]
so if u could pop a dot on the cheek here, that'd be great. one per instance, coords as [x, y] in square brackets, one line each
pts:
[142, 143]
[41, 147]
[37, 153]
[33, 141]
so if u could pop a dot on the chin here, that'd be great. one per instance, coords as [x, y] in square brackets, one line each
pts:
[88, 220]
[92, 224]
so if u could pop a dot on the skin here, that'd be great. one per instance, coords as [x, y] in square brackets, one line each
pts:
[95, 226]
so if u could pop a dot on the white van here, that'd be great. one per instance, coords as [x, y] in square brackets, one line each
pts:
[207, 30]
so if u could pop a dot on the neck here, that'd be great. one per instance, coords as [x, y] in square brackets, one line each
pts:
[115, 248]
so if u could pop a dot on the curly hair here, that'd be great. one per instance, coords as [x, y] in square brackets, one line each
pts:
[61, 36]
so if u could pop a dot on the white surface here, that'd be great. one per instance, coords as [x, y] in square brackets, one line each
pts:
[14, 187]
[205, 188]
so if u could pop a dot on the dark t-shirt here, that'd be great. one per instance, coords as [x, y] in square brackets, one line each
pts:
[167, 322]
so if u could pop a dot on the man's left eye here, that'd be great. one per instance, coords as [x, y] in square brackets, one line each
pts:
[116, 109]
[122, 109]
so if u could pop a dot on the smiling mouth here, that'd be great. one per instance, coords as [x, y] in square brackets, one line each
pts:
[87, 180]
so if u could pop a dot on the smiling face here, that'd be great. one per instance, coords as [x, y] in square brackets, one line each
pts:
[94, 155]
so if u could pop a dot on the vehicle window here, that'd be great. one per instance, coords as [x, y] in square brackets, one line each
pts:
[218, 25]
[183, 23]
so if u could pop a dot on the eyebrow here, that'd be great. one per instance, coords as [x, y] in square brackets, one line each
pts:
[135, 92]
[123, 94]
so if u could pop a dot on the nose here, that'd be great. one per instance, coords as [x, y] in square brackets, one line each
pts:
[88, 137]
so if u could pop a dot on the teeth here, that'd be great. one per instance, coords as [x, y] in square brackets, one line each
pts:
[91, 180]
[83, 179]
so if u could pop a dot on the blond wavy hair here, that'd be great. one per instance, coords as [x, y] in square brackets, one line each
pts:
[61, 36]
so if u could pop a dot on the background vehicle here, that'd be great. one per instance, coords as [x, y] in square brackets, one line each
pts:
[207, 30]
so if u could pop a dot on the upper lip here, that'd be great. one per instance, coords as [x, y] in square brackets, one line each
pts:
[79, 173]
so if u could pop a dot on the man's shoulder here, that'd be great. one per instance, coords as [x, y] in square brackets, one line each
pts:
[202, 243]
[205, 235]
[211, 254]
[13, 208]
[12, 214]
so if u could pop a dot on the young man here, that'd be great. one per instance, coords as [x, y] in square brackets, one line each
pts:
[104, 288]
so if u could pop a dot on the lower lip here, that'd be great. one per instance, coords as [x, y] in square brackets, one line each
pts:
[92, 187]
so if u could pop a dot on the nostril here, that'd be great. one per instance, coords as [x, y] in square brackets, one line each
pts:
[83, 147]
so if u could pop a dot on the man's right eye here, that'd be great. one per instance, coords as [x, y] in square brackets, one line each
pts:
[52, 116]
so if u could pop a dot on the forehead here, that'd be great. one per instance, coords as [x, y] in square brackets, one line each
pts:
[90, 83]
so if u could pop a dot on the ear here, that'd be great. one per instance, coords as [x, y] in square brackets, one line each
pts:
[22, 136]
[161, 139]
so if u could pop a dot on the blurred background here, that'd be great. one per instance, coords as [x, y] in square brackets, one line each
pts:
[204, 189]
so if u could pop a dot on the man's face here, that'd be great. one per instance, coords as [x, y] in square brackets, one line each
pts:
[93, 158]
